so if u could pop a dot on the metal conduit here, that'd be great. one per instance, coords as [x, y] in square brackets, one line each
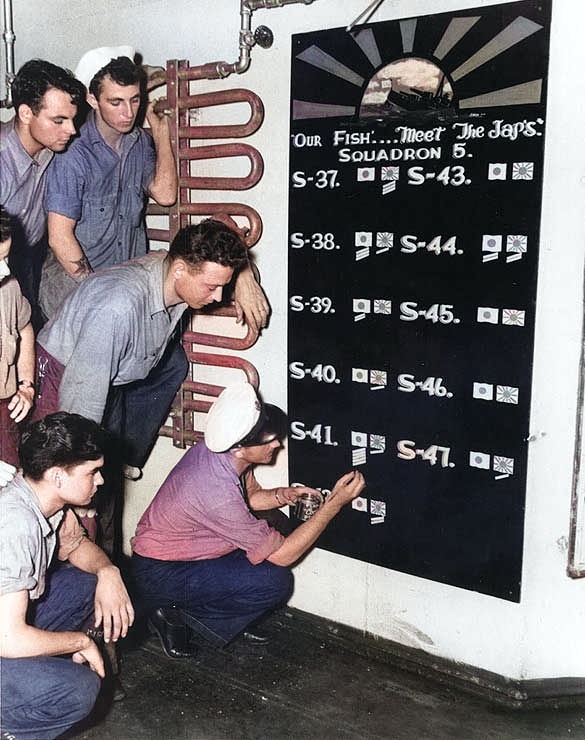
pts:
[222, 151]
[254, 228]
[177, 105]
[183, 431]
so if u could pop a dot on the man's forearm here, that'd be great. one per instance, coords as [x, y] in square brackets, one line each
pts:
[21, 640]
[90, 558]
[164, 185]
[31, 642]
[304, 536]
[25, 365]
[66, 248]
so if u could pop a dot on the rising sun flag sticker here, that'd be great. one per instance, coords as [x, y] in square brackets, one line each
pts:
[513, 317]
[523, 171]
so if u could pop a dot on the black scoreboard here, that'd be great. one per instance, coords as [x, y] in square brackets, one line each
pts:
[416, 167]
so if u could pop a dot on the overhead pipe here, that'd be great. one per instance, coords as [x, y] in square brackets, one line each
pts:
[262, 36]
[9, 38]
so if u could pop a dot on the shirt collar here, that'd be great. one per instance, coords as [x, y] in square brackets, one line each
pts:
[94, 136]
[22, 158]
[48, 525]
[156, 276]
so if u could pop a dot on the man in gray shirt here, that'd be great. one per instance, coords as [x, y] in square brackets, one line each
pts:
[100, 355]
[45, 604]
[46, 99]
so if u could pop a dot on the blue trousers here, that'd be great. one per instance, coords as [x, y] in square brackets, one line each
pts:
[219, 597]
[135, 412]
[43, 697]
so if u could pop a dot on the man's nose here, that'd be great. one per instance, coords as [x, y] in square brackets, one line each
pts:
[70, 128]
[128, 110]
[99, 479]
[217, 294]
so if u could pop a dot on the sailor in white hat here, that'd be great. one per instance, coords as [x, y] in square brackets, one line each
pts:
[96, 192]
[96, 59]
[205, 559]
[238, 419]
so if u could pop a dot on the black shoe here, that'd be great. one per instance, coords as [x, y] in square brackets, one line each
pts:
[172, 632]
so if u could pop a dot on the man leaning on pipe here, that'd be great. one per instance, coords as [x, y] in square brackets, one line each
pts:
[110, 337]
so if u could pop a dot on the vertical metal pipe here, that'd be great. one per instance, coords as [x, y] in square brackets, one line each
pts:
[9, 37]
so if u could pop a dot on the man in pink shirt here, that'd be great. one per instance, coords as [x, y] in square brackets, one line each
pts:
[203, 561]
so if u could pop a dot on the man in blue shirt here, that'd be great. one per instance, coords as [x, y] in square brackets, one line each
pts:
[97, 192]
[104, 354]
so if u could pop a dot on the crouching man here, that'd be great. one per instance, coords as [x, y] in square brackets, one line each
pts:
[203, 562]
[45, 603]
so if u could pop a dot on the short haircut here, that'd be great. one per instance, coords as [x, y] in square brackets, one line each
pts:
[209, 241]
[36, 76]
[5, 224]
[60, 439]
[122, 71]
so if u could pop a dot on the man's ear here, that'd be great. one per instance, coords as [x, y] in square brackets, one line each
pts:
[25, 113]
[178, 268]
[55, 475]
[92, 100]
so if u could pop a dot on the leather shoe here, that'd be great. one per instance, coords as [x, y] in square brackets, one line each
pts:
[173, 634]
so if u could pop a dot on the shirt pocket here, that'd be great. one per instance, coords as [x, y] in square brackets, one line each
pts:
[99, 219]
[133, 205]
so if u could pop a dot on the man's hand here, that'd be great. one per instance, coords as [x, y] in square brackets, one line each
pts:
[250, 301]
[113, 608]
[290, 495]
[158, 121]
[348, 487]
[21, 403]
[92, 656]
[7, 473]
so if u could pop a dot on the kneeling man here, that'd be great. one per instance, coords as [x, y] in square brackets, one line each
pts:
[202, 558]
[45, 606]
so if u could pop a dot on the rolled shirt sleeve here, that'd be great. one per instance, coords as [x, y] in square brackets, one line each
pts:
[70, 535]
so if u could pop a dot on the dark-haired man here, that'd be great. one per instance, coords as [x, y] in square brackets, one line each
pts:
[97, 192]
[46, 99]
[102, 354]
[45, 604]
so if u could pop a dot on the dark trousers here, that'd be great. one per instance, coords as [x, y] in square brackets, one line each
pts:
[26, 263]
[43, 697]
[135, 412]
[9, 435]
[218, 597]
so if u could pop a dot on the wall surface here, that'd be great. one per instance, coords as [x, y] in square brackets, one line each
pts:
[542, 636]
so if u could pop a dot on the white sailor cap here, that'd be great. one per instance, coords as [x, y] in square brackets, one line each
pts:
[92, 61]
[239, 419]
